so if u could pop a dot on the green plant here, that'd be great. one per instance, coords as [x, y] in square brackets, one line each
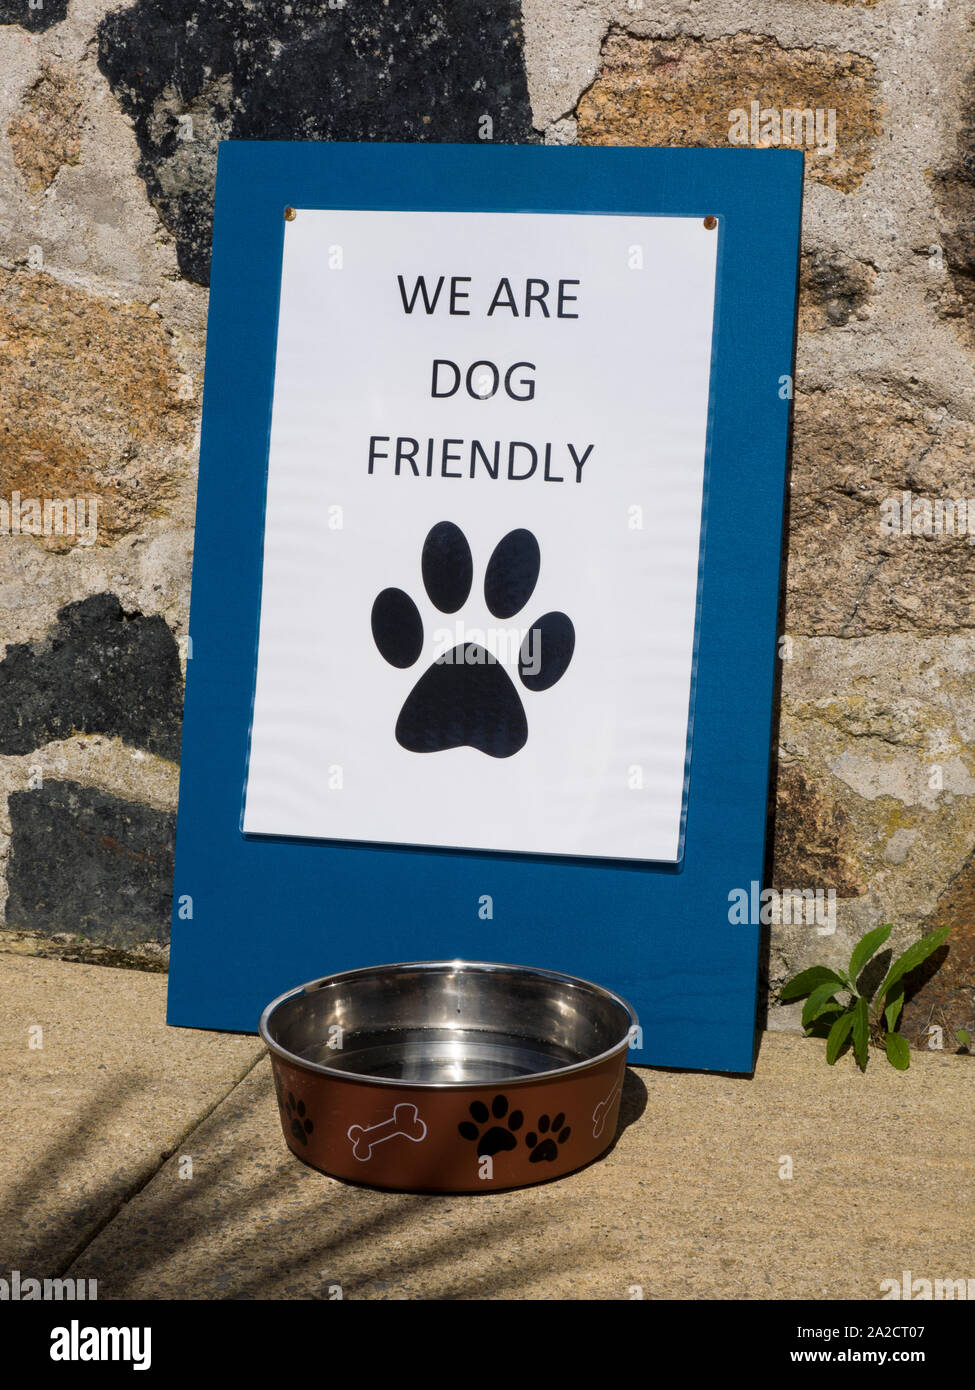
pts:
[868, 1015]
[964, 1038]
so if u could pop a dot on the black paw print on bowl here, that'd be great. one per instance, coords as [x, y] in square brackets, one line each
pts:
[299, 1122]
[500, 1137]
[547, 1138]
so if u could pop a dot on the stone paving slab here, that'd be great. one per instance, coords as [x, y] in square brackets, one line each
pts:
[689, 1203]
[87, 1117]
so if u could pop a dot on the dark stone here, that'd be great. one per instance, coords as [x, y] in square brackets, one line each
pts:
[309, 70]
[98, 671]
[942, 991]
[84, 862]
[813, 845]
[19, 12]
[836, 284]
[954, 188]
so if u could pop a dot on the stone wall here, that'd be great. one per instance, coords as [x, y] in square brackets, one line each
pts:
[109, 122]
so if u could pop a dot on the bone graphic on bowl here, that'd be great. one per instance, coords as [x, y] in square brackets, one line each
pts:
[404, 1120]
[601, 1112]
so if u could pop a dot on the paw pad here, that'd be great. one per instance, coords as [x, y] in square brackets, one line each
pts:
[301, 1126]
[501, 1135]
[467, 698]
[549, 1138]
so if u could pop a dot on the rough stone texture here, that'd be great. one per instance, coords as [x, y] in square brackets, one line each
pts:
[680, 91]
[955, 192]
[99, 760]
[852, 449]
[877, 693]
[814, 845]
[110, 879]
[34, 18]
[109, 765]
[833, 288]
[149, 956]
[90, 1114]
[47, 133]
[193, 72]
[882, 728]
[944, 989]
[99, 670]
[690, 1203]
[148, 571]
[93, 405]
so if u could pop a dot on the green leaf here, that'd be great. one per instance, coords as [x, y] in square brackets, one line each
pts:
[832, 1006]
[861, 1032]
[824, 1020]
[838, 1035]
[898, 1052]
[867, 947]
[807, 980]
[913, 957]
[964, 1037]
[818, 1001]
[895, 1002]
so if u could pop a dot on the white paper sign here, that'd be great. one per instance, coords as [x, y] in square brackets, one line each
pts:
[483, 530]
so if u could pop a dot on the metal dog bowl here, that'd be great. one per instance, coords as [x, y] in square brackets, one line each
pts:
[448, 1076]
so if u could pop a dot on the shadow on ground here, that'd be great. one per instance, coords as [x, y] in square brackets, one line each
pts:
[253, 1223]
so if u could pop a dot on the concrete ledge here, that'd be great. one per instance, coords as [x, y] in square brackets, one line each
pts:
[90, 1114]
[689, 1203]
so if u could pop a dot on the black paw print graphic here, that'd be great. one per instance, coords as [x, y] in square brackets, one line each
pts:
[546, 1150]
[301, 1125]
[500, 1137]
[467, 698]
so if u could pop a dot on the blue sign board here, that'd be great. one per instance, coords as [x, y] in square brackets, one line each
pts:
[485, 589]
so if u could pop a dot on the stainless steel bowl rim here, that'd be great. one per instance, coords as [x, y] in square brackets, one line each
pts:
[362, 1078]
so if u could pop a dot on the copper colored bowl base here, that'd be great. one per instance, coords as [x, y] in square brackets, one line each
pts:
[394, 1077]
